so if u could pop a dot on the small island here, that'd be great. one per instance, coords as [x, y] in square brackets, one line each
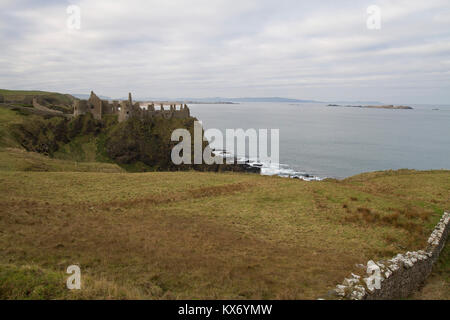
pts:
[390, 106]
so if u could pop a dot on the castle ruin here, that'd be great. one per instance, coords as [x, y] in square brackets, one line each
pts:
[127, 109]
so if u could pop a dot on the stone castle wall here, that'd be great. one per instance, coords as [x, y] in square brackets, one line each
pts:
[40, 107]
[127, 109]
[398, 277]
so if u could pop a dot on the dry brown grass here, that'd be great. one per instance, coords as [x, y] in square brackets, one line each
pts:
[15, 159]
[208, 235]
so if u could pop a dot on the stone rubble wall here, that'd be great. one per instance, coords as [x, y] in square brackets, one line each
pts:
[42, 108]
[398, 277]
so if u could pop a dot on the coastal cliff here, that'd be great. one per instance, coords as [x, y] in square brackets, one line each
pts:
[137, 144]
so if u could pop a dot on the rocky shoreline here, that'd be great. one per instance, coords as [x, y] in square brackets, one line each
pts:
[252, 166]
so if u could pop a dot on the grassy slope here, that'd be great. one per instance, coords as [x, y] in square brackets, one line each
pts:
[14, 159]
[82, 148]
[206, 235]
[52, 100]
[65, 99]
[8, 118]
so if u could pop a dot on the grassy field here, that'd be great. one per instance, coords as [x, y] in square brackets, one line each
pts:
[65, 99]
[201, 235]
[14, 159]
[7, 119]
[53, 100]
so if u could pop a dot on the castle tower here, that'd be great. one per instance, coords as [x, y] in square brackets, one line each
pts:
[95, 106]
[130, 101]
[125, 111]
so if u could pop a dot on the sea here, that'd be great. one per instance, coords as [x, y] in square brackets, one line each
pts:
[318, 141]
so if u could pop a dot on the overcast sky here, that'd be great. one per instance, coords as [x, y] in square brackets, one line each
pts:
[318, 50]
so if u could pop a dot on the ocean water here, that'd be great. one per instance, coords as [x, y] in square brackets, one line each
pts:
[338, 141]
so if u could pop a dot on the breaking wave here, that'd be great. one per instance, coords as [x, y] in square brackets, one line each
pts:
[268, 168]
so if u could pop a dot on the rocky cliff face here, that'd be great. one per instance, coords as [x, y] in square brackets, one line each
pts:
[135, 144]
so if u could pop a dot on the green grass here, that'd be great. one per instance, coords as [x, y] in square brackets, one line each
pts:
[81, 154]
[7, 119]
[208, 235]
[13, 159]
[53, 100]
[83, 148]
[29, 283]
[64, 99]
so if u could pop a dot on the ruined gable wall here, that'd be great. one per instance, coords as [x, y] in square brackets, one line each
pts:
[79, 107]
[125, 112]
[95, 106]
[37, 106]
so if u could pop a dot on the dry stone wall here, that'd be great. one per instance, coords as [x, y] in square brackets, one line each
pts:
[398, 277]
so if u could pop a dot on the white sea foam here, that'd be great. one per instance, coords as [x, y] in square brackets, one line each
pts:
[268, 168]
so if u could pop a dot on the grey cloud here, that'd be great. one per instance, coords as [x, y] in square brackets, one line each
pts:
[296, 49]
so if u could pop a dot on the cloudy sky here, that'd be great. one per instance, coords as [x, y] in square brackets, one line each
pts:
[319, 50]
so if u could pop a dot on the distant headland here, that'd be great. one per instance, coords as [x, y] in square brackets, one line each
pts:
[390, 106]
